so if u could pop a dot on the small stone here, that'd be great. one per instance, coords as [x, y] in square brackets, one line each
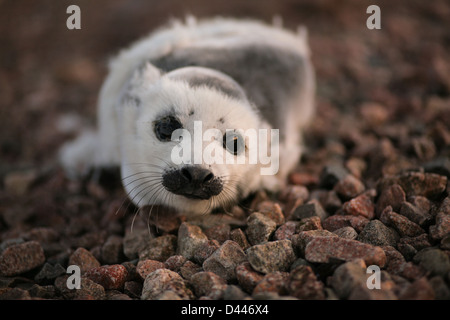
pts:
[145, 267]
[260, 228]
[303, 284]
[160, 248]
[14, 294]
[346, 233]
[247, 277]
[89, 290]
[328, 199]
[293, 196]
[429, 185]
[337, 221]
[377, 234]
[403, 225]
[414, 214]
[418, 290]
[299, 241]
[161, 280]
[434, 260]
[321, 249]
[133, 289]
[392, 196]
[224, 260]
[311, 223]
[445, 242]
[188, 269]
[238, 236]
[233, 292]
[190, 238]
[348, 276]
[420, 242]
[271, 256]
[208, 284]
[112, 250]
[220, 232]
[21, 257]
[349, 187]
[205, 250]
[310, 209]
[331, 175]
[83, 259]
[286, 231]
[134, 242]
[407, 250]
[44, 292]
[362, 205]
[272, 282]
[109, 277]
[442, 226]
[272, 210]
[441, 290]
[174, 263]
[49, 273]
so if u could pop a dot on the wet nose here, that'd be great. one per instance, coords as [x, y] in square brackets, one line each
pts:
[196, 175]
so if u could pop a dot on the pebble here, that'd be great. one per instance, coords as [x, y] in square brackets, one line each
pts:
[420, 289]
[303, 284]
[271, 256]
[135, 241]
[322, 249]
[224, 260]
[190, 238]
[348, 276]
[145, 267]
[108, 276]
[272, 210]
[89, 290]
[160, 248]
[420, 242]
[362, 205]
[415, 214]
[188, 269]
[377, 234]
[83, 259]
[392, 196]
[238, 236]
[339, 221]
[311, 223]
[436, 261]
[299, 241]
[205, 250]
[220, 232]
[293, 196]
[247, 277]
[49, 273]
[112, 250]
[404, 226]
[208, 284]
[331, 175]
[429, 185]
[174, 263]
[349, 187]
[162, 280]
[259, 228]
[311, 209]
[442, 226]
[22, 257]
[272, 282]
[286, 231]
[346, 233]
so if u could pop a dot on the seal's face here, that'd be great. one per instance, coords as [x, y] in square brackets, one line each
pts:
[184, 140]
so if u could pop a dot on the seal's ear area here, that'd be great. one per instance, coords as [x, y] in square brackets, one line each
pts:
[144, 76]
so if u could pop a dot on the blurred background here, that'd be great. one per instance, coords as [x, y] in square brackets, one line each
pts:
[50, 75]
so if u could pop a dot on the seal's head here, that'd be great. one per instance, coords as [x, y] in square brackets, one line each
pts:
[184, 142]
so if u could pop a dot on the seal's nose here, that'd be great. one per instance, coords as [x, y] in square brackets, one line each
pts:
[193, 182]
[196, 175]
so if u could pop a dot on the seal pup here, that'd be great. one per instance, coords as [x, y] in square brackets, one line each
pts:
[225, 74]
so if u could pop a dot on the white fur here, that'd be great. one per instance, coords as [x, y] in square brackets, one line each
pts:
[125, 135]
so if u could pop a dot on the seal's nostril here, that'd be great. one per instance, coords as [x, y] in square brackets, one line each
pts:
[209, 177]
[186, 174]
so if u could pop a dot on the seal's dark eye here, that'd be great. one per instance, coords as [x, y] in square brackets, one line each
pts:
[233, 142]
[165, 126]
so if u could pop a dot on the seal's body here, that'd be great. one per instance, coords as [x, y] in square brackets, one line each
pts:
[225, 74]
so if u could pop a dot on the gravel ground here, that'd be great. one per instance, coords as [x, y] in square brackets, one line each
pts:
[371, 189]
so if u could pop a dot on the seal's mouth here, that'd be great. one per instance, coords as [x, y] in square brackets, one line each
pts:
[192, 182]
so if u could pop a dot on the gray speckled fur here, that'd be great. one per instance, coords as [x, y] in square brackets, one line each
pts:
[268, 75]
